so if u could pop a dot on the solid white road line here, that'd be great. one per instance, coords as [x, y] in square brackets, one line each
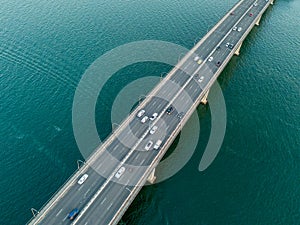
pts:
[58, 212]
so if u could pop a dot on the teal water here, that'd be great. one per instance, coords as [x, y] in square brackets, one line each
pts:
[45, 47]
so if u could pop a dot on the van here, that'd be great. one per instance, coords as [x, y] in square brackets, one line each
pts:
[157, 144]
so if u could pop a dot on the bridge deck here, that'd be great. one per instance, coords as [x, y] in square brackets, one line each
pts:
[104, 200]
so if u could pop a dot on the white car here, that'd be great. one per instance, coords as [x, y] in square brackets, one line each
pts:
[157, 144]
[234, 28]
[239, 29]
[153, 129]
[210, 59]
[154, 116]
[140, 113]
[201, 79]
[82, 179]
[196, 58]
[145, 118]
[120, 172]
[148, 145]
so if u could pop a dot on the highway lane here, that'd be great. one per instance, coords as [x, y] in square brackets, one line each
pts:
[120, 147]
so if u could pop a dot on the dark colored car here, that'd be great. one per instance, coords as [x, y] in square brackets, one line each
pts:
[218, 63]
[73, 214]
[218, 48]
[251, 14]
[230, 46]
[180, 115]
[170, 110]
[232, 13]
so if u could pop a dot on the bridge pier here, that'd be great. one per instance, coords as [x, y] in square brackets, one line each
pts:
[204, 99]
[237, 51]
[257, 21]
[151, 179]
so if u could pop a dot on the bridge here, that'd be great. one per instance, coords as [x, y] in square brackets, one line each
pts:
[128, 158]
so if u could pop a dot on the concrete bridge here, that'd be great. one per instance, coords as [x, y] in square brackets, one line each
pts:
[128, 158]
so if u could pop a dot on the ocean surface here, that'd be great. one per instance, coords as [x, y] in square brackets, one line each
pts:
[45, 48]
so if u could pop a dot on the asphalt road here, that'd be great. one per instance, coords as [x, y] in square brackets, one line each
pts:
[181, 91]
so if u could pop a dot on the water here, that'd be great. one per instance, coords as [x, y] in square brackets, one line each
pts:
[47, 45]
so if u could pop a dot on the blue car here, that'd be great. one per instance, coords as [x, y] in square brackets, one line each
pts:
[73, 214]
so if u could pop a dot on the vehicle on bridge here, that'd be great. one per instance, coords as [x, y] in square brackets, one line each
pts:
[170, 110]
[120, 172]
[157, 144]
[140, 113]
[82, 179]
[145, 118]
[148, 145]
[73, 214]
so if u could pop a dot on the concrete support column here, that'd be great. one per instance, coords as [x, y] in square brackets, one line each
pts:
[257, 21]
[204, 99]
[237, 51]
[152, 177]
[272, 2]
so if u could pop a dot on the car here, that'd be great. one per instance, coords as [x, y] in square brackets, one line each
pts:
[199, 61]
[234, 28]
[218, 48]
[157, 144]
[196, 58]
[227, 44]
[230, 46]
[82, 179]
[145, 118]
[255, 4]
[153, 129]
[73, 214]
[141, 113]
[210, 59]
[169, 110]
[218, 64]
[239, 29]
[180, 115]
[201, 79]
[148, 145]
[250, 14]
[120, 172]
[154, 116]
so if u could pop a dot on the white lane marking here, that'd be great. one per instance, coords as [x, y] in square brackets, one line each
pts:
[86, 223]
[109, 206]
[103, 201]
[159, 105]
[154, 102]
[128, 189]
[87, 192]
[164, 91]
[115, 147]
[58, 212]
[127, 182]
[195, 91]
[80, 187]
[65, 217]
[142, 162]
[190, 87]
[137, 156]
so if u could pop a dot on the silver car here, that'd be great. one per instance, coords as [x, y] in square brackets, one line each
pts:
[148, 145]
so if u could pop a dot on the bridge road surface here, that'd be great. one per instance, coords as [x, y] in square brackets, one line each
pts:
[103, 209]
